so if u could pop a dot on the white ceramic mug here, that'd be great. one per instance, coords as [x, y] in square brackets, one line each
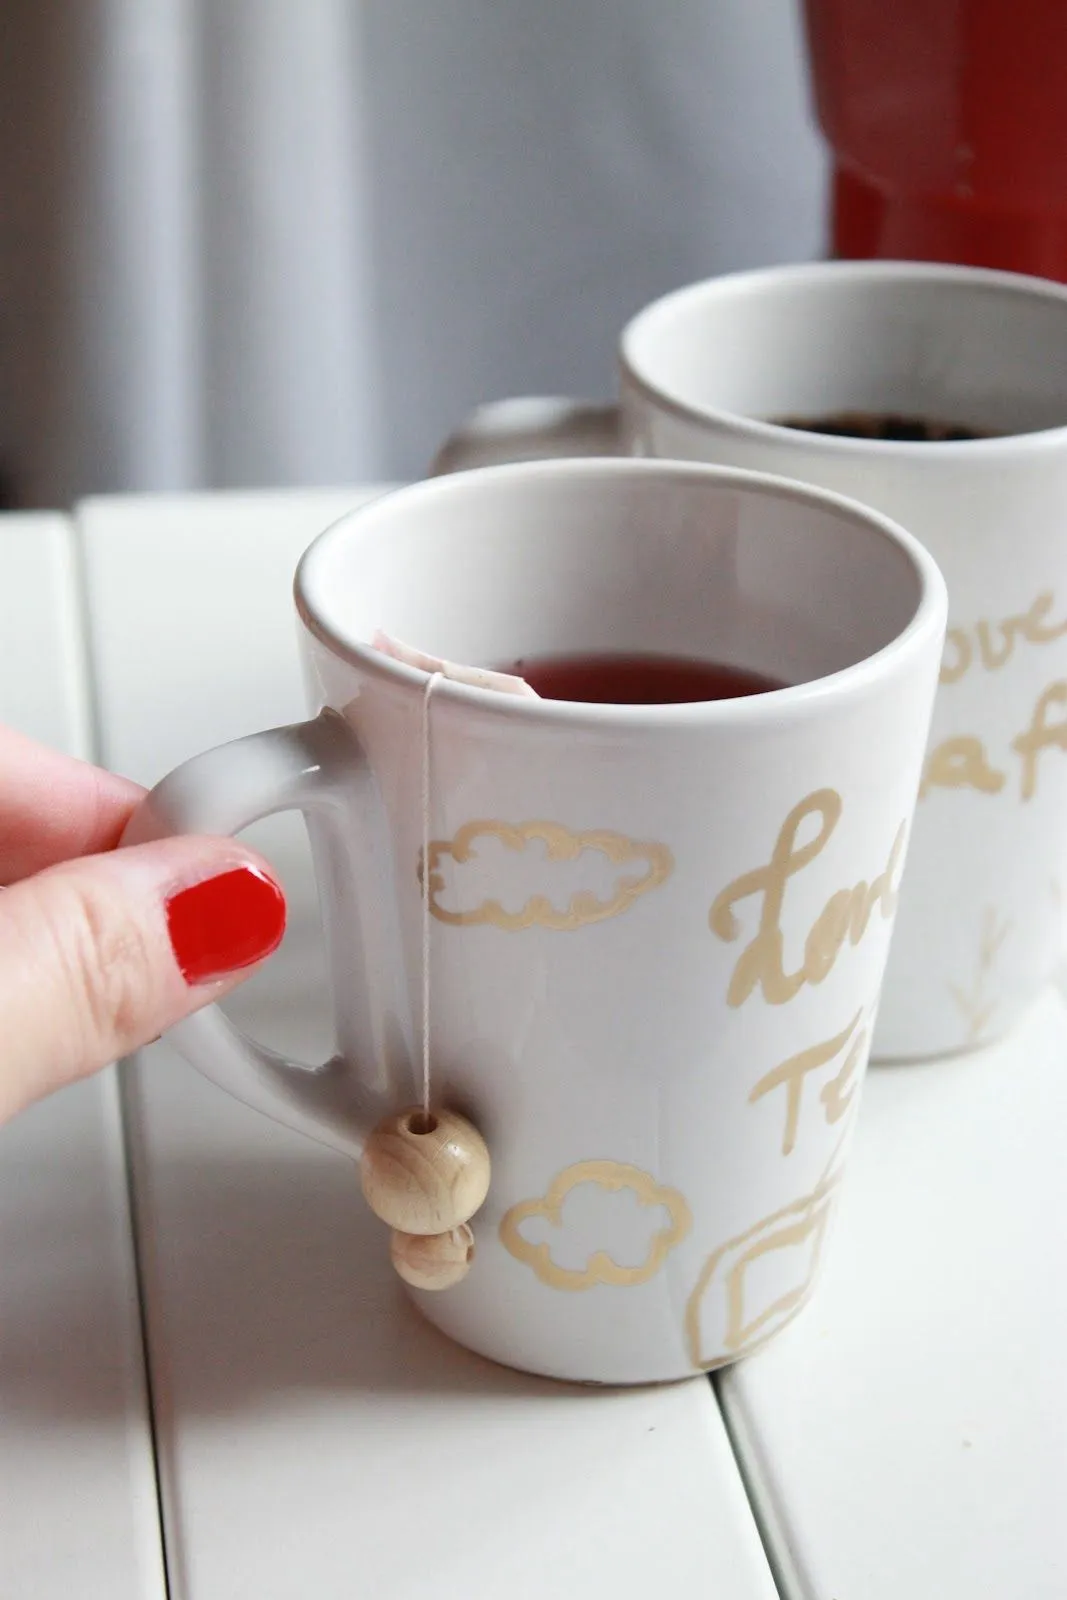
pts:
[703, 373]
[658, 932]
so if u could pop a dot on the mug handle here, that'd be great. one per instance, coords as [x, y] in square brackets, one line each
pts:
[315, 767]
[531, 429]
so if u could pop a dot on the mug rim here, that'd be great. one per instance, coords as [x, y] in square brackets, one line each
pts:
[926, 621]
[760, 430]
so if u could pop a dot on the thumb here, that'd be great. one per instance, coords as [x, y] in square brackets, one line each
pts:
[99, 955]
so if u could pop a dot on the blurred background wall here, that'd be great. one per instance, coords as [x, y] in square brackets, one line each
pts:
[292, 241]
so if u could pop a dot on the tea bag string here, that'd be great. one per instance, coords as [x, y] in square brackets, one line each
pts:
[426, 1173]
[431, 683]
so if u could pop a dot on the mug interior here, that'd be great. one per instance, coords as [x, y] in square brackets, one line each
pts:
[642, 557]
[981, 350]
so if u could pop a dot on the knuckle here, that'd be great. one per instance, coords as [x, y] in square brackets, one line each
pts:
[106, 967]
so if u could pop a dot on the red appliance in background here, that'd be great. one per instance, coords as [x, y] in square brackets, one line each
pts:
[948, 125]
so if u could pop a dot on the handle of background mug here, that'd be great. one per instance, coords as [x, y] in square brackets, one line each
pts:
[532, 429]
[313, 767]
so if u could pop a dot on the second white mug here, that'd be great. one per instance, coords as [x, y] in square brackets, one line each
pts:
[713, 373]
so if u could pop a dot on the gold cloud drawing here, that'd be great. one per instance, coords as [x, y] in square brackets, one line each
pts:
[561, 844]
[601, 1267]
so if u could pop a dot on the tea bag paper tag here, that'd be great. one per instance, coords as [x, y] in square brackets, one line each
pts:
[476, 677]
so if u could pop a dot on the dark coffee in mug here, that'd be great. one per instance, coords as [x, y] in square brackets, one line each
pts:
[638, 680]
[884, 425]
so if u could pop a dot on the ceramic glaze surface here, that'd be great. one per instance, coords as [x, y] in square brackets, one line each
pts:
[657, 933]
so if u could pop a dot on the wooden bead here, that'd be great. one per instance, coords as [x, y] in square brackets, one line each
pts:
[425, 1174]
[433, 1260]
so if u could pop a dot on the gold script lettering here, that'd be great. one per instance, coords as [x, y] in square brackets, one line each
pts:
[952, 672]
[1032, 625]
[960, 763]
[792, 1073]
[845, 916]
[992, 657]
[1041, 735]
[836, 1095]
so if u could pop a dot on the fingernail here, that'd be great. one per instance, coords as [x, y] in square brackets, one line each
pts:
[225, 923]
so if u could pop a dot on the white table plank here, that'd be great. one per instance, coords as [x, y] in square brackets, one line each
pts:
[317, 1438]
[42, 683]
[907, 1437]
[78, 1506]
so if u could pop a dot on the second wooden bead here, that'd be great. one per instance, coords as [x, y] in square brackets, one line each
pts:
[425, 1173]
[432, 1260]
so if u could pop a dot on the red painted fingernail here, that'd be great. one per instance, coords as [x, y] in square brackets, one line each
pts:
[225, 923]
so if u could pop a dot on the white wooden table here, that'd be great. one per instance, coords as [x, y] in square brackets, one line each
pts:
[255, 1412]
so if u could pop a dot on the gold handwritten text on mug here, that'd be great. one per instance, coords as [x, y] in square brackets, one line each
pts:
[1041, 735]
[836, 1095]
[846, 914]
[961, 762]
[560, 844]
[992, 644]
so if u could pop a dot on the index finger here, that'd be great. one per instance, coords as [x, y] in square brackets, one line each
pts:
[53, 807]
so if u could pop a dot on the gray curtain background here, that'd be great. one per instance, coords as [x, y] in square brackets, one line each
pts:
[292, 241]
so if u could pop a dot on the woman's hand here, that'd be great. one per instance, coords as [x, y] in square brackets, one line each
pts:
[102, 949]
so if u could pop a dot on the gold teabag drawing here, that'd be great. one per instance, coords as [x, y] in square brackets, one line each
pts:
[476, 677]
